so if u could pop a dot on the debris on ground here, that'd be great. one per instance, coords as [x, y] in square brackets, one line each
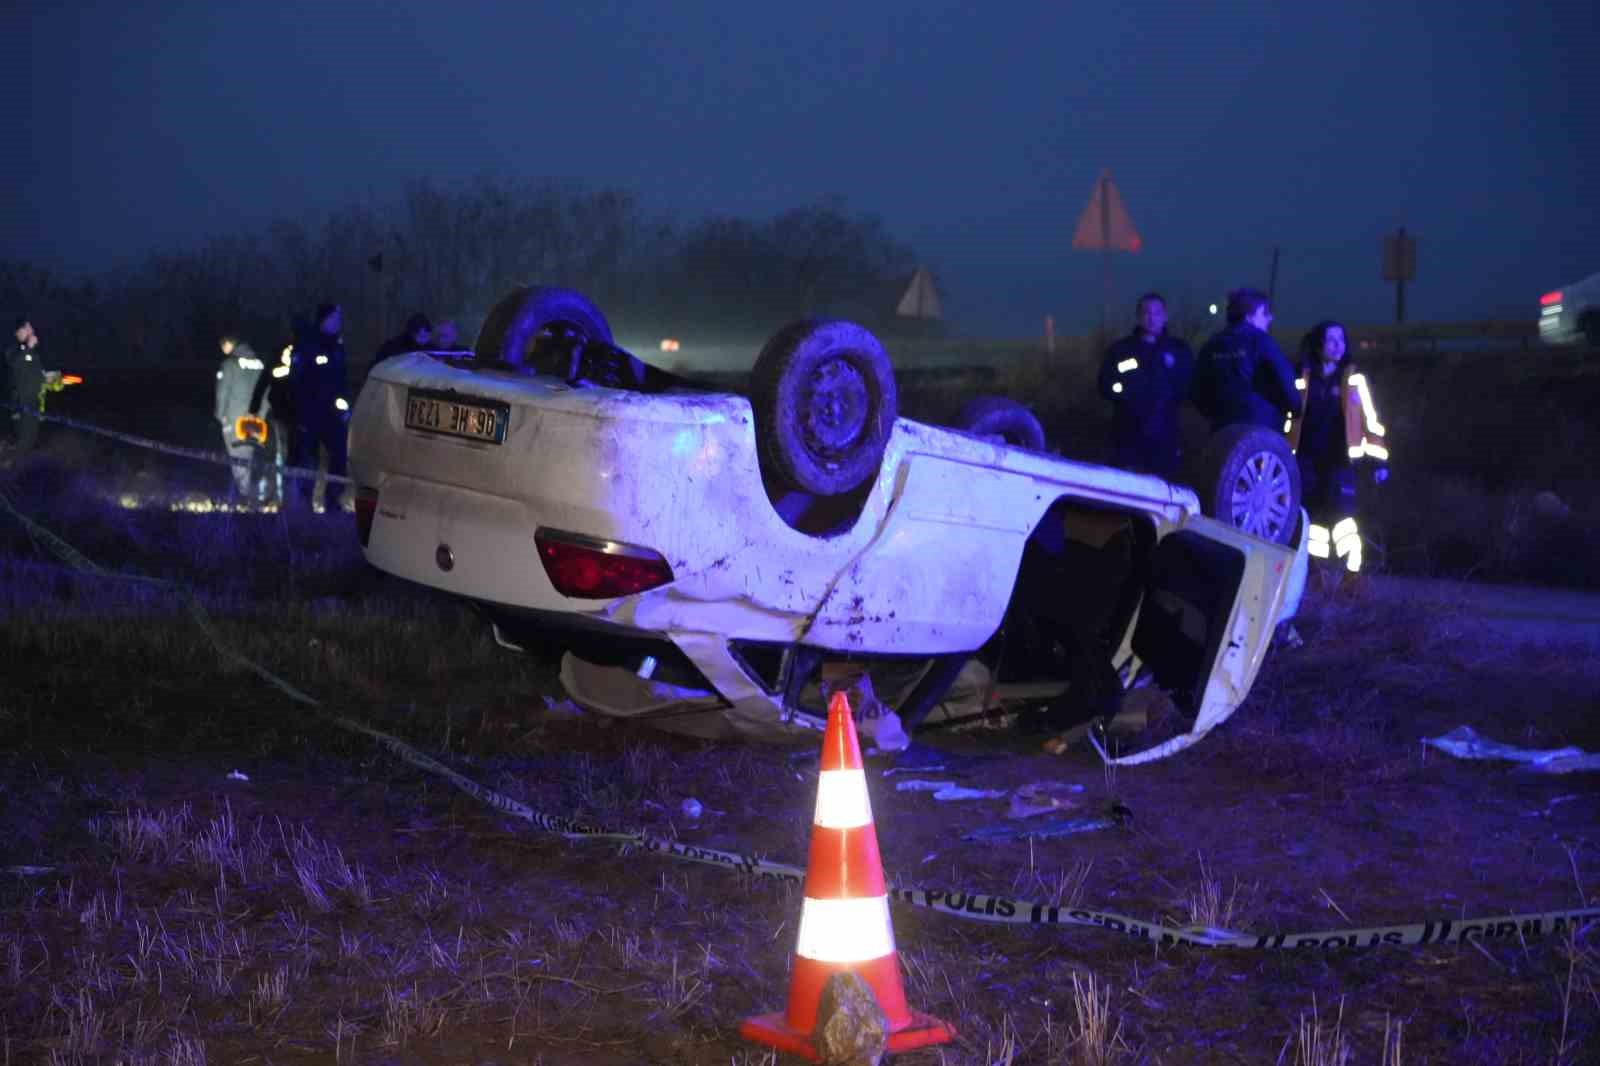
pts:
[1043, 797]
[1464, 742]
[948, 790]
[1114, 816]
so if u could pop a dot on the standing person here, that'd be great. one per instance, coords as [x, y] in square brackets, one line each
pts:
[319, 388]
[1241, 375]
[236, 381]
[414, 338]
[1145, 376]
[1334, 426]
[272, 401]
[25, 380]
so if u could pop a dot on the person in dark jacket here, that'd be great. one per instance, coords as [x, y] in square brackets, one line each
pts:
[414, 338]
[1145, 376]
[319, 392]
[23, 380]
[272, 401]
[1334, 427]
[1241, 375]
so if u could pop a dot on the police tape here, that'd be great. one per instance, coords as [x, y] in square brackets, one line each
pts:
[971, 906]
[199, 454]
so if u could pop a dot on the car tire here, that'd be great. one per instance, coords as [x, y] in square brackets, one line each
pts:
[527, 316]
[825, 403]
[998, 416]
[1249, 479]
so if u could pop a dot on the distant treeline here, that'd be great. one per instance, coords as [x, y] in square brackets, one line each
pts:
[452, 251]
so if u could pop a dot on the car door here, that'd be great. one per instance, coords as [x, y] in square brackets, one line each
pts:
[1212, 602]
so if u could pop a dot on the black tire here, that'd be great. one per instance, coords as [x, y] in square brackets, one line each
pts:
[541, 326]
[998, 416]
[1250, 480]
[825, 402]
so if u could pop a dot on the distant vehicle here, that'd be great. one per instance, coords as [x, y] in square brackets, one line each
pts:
[697, 557]
[1571, 314]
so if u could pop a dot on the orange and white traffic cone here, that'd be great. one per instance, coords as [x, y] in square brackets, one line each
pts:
[844, 920]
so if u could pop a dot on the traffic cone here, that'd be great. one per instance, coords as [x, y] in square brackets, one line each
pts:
[844, 919]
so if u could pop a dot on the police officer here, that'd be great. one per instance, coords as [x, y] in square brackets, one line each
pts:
[23, 386]
[1241, 375]
[318, 385]
[1145, 376]
[236, 380]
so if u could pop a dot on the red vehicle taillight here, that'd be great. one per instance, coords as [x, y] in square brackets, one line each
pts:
[587, 568]
[366, 508]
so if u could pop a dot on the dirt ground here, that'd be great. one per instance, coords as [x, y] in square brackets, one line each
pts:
[200, 871]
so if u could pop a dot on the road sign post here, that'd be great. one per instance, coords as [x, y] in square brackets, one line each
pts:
[1399, 266]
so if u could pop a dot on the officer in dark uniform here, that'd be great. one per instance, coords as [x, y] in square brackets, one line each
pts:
[22, 385]
[1145, 376]
[1241, 375]
[320, 394]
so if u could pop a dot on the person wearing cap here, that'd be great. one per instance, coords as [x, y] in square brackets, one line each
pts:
[414, 338]
[320, 394]
[1145, 376]
[1334, 426]
[1241, 375]
[23, 381]
[236, 380]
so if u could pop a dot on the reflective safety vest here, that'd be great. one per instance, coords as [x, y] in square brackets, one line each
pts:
[1363, 433]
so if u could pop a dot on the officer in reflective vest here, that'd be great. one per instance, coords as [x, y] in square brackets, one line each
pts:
[236, 379]
[1334, 427]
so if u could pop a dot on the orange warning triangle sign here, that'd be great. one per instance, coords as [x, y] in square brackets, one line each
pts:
[1105, 223]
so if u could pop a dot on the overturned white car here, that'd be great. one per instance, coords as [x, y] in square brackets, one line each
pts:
[701, 558]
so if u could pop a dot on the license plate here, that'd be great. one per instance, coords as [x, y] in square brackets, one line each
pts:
[457, 416]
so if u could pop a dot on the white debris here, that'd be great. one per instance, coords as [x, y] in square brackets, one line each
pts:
[235, 775]
[1464, 743]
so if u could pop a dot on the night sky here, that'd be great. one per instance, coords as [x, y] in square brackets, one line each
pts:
[977, 137]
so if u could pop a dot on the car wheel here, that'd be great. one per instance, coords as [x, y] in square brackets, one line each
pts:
[998, 416]
[825, 402]
[541, 327]
[1250, 480]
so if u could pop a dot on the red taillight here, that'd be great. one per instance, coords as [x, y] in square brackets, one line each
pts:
[1550, 298]
[587, 568]
[366, 508]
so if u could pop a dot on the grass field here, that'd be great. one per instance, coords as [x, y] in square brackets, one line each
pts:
[220, 875]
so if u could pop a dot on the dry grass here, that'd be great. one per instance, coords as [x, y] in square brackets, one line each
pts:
[1095, 1036]
[1319, 1044]
[343, 908]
